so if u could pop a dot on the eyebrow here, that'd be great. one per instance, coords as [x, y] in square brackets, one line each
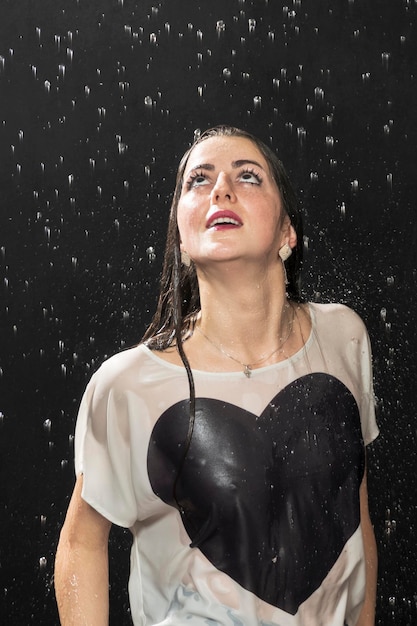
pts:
[235, 164]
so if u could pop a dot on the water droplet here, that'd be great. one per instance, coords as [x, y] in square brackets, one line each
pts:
[257, 101]
[151, 254]
[319, 93]
[47, 425]
[220, 27]
[385, 59]
[148, 101]
[226, 73]
[251, 25]
[383, 314]
[43, 562]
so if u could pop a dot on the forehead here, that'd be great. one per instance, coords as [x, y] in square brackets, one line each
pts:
[224, 150]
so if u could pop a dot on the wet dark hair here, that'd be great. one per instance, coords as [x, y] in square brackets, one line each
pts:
[179, 297]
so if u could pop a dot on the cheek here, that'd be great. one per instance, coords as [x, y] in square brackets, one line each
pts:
[187, 220]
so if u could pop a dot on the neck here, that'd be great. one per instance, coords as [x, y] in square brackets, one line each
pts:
[245, 313]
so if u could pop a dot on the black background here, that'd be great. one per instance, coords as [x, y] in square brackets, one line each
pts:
[98, 100]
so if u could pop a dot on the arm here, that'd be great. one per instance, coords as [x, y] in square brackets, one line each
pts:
[367, 616]
[81, 565]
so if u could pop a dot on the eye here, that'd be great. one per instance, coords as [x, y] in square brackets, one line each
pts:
[250, 176]
[197, 179]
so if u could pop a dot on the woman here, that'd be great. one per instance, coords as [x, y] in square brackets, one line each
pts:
[231, 440]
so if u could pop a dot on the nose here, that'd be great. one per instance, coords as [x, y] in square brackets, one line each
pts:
[223, 189]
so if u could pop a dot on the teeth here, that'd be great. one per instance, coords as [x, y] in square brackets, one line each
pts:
[224, 220]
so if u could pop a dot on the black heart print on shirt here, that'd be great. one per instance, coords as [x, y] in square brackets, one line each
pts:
[270, 500]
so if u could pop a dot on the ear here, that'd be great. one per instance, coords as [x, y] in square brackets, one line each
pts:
[289, 235]
[292, 240]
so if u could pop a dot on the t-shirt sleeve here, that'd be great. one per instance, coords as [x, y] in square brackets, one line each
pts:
[102, 448]
[370, 429]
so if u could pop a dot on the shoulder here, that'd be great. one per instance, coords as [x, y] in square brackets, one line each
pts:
[119, 370]
[338, 318]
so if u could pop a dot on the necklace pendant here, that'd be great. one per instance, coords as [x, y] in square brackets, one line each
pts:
[247, 371]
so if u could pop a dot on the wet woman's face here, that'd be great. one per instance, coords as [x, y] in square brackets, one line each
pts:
[230, 207]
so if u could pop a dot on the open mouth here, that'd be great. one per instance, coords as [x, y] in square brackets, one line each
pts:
[224, 219]
[228, 221]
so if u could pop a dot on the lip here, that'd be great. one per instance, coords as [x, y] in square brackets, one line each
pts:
[224, 215]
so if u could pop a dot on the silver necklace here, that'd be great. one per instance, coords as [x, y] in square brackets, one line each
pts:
[247, 367]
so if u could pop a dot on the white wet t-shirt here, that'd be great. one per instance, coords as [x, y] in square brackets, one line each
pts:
[258, 522]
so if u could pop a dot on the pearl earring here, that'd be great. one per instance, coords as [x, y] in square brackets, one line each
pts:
[284, 253]
[185, 258]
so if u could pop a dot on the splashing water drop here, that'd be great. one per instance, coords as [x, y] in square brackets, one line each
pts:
[385, 59]
[220, 27]
[151, 254]
[319, 94]
[257, 101]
